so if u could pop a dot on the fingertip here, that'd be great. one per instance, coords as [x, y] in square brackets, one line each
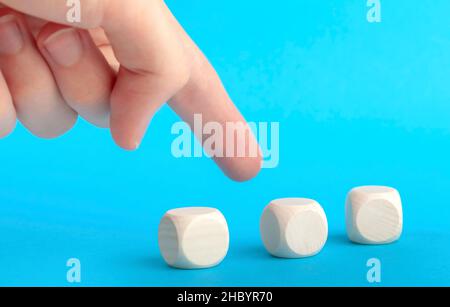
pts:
[124, 134]
[241, 169]
[55, 129]
[8, 116]
[134, 102]
[125, 143]
[7, 125]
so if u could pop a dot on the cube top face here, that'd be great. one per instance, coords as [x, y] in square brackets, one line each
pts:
[192, 211]
[192, 238]
[374, 189]
[292, 202]
[374, 192]
[374, 215]
[294, 227]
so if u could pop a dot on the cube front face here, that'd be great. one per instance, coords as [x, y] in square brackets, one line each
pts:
[294, 228]
[374, 215]
[206, 240]
[306, 233]
[193, 238]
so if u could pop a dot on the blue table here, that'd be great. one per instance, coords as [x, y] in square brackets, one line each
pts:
[358, 103]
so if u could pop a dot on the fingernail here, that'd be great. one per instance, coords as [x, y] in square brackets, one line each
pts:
[65, 47]
[11, 39]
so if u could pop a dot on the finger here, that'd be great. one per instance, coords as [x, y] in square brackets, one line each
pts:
[84, 77]
[153, 62]
[205, 94]
[152, 71]
[36, 97]
[240, 155]
[7, 112]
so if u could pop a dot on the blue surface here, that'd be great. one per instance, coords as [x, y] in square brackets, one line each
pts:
[357, 103]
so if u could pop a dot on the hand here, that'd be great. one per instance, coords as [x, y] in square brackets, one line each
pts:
[116, 68]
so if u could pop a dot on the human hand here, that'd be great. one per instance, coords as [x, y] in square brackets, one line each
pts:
[116, 68]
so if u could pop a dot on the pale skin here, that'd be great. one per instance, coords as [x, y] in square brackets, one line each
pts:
[115, 68]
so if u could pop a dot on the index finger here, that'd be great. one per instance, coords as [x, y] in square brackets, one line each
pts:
[239, 155]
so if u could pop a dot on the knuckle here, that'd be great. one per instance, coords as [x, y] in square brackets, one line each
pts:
[177, 76]
[181, 78]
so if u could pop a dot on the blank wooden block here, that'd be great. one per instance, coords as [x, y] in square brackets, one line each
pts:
[294, 228]
[193, 238]
[374, 215]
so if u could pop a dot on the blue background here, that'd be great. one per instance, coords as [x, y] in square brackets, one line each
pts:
[358, 103]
